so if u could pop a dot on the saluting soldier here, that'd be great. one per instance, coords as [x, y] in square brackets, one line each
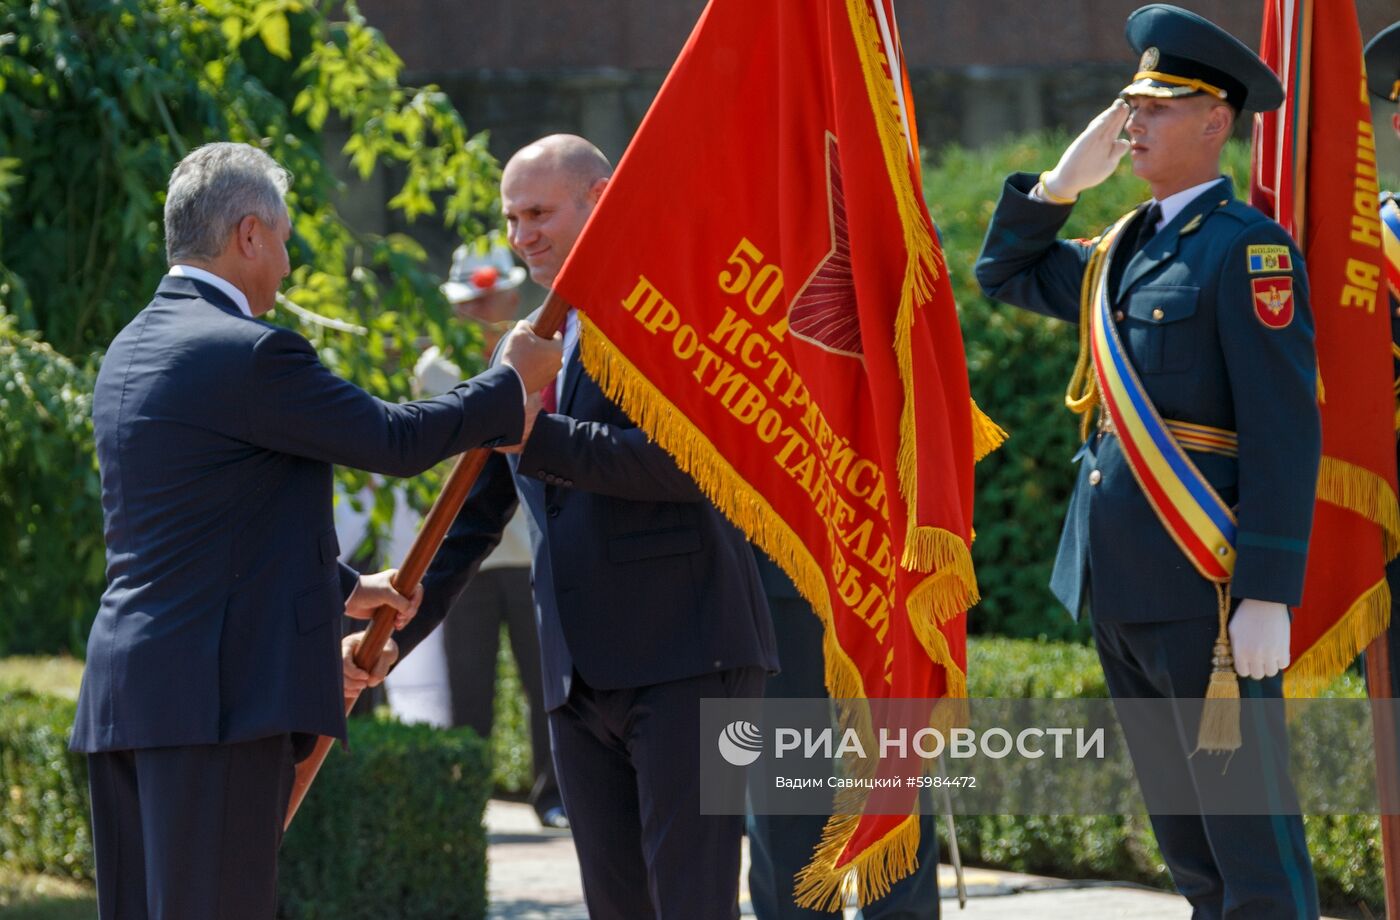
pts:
[1383, 80]
[1193, 505]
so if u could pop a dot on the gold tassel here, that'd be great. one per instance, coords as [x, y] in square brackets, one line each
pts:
[1220, 713]
[987, 435]
[1082, 392]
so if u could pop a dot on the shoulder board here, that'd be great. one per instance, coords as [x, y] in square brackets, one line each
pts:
[1241, 209]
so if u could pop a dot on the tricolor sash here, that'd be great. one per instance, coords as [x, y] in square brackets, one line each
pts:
[1185, 502]
[1390, 238]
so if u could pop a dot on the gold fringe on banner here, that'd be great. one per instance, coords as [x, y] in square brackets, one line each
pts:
[1359, 490]
[1368, 617]
[987, 435]
[822, 885]
[731, 493]
[921, 271]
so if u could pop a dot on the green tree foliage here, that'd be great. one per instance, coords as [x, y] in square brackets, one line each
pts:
[1019, 364]
[51, 552]
[98, 101]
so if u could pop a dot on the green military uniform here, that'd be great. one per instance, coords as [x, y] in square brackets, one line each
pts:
[1212, 354]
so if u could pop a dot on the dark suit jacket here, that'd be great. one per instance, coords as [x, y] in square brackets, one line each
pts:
[1185, 311]
[215, 439]
[638, 579]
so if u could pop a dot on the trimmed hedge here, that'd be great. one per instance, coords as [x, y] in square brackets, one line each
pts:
[43, 788]
[1345, 849]
[392, 829]
[395, 828]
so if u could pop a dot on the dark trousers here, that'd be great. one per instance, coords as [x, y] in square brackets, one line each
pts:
[1233, 867]
[471, 634]
[190, 833]
[628, 763]
[781, 845]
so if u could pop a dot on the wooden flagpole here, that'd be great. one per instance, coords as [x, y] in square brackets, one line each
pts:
[1383, 723]
[420, 555]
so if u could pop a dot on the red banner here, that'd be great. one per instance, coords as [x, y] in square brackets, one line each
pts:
[1315, 173]
[763, 292]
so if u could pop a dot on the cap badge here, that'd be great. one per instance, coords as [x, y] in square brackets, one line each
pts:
[1149, 59]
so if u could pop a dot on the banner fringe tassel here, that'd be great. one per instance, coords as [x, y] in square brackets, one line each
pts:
[826, 885]
[987, 435]
[1367, 618]
[620, 380]
[1361, 491]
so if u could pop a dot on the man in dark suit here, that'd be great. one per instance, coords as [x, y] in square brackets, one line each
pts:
[214, 658]
[1206, 300]
[648, 599]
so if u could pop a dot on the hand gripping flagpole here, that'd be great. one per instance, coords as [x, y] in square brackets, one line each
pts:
[425, 546]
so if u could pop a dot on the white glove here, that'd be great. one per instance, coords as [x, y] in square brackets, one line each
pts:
[1259, 634]
[1092, 157]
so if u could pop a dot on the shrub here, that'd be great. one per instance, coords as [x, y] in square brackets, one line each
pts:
[44, 806]
[51, 552]
[1019, 364]
[1345, 849]
[392, 829]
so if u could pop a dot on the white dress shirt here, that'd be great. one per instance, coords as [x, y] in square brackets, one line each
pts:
[199, 274]
[1173, 205]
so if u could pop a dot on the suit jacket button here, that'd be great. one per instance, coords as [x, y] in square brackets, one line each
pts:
[553, 511]
[1095, 477]
[568, 482]
[718, 663]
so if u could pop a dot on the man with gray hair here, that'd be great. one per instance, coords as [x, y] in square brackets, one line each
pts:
[214, 659]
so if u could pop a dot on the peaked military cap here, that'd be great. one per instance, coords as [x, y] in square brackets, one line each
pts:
[1383, 63]
[1183, 54]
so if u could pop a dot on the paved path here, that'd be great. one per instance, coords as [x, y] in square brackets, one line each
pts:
[533, 876]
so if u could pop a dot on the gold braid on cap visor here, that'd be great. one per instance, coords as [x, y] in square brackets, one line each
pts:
[1395, 91]
[1199, 86]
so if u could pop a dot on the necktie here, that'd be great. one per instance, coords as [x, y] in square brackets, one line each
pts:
[1148, 228]
[1142, 233]
[549, 397]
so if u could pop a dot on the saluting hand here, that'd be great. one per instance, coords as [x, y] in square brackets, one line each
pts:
[1093, 156]
[356, 677]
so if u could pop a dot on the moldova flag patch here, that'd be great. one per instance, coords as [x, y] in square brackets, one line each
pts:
[1269, 259]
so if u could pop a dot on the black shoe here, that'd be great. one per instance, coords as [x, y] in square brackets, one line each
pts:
[554, 818]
